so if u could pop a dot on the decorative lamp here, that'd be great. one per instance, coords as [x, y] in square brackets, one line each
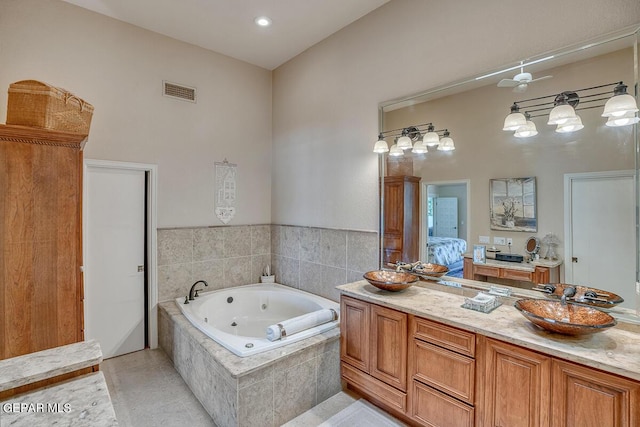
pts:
[628, 119]
[431, 138]
[563, 109]
[528, 130]
[419, 148]
[395, 151]
[446, 143]
[380, 146]
[571, 125]
[620, 103]
[404, 142]
[514, 120]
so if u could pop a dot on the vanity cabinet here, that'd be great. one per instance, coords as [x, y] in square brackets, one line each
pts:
[373, 352]
[530, 273]
[442, 372]
[523, 388]
[401, 219]
[40, 230]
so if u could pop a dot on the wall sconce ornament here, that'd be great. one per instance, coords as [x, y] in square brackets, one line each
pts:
[620, 109]
[417, 138]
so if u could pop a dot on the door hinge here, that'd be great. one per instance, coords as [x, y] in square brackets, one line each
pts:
[574, 259]
[140, 268]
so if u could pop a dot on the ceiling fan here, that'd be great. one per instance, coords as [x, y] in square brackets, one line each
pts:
[520, 81]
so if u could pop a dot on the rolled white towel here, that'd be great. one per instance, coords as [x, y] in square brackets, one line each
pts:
[300, 323]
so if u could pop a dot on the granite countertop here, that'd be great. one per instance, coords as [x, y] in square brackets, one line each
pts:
[615, 350]
[33, 367]
[79, 402]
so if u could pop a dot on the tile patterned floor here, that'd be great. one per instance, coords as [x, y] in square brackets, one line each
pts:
[146, 390]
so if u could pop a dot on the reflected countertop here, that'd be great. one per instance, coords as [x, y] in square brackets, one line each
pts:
[615, 350]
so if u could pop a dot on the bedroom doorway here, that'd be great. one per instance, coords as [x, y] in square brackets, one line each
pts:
[444, 224]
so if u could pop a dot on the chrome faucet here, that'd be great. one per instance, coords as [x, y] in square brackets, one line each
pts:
[193, 293]
[568, 292]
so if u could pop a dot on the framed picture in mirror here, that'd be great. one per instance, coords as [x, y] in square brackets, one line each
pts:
[513, 204]
[479, 254]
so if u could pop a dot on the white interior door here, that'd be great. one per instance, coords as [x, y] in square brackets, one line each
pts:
[446, 217]
[114, 283]
[601, 245]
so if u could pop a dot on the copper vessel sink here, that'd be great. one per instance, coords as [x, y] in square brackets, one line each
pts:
[568, 319]
[390, 280]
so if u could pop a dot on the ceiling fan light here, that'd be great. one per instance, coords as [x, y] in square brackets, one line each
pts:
[561, 114]
[395, 151]
[404, 142]
[381, 146]
[625, 120]
[526, 131]
[619, 105]
[431, 139]
[571, 125]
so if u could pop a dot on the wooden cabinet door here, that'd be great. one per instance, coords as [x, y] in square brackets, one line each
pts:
[515, 385]
[435, 409]
[354, 333]
[584, 397]
[389, 346]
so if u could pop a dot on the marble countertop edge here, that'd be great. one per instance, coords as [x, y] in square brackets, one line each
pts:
[45, 364]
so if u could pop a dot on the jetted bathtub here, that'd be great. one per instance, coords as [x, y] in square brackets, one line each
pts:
[237, 318]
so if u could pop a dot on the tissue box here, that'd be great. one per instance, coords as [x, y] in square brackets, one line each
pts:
[482, 302]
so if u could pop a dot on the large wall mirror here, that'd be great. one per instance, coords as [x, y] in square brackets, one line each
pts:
[558, 181]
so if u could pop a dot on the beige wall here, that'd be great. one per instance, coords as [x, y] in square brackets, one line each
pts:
[119, 69]
[325, 117]
[484, 151]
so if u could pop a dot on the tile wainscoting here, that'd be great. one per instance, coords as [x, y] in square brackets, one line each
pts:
[312, 259]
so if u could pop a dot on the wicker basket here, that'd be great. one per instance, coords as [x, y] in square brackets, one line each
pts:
[37, 104]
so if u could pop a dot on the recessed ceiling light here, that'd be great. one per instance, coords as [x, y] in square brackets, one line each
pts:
[263, 21]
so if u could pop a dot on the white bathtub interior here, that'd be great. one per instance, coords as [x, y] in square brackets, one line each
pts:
[237, 318]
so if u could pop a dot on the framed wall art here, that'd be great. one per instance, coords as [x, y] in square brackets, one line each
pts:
[512, 204]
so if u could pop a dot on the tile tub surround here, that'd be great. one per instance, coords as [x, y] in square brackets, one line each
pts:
[317, 260]
[615, 350]
[312, 259]
[80, 402]
[267, 389]
[224, 256]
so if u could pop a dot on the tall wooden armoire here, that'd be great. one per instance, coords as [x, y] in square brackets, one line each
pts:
[41, 291]
[401, 219]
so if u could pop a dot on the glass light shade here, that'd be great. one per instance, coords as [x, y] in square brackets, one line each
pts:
[446, 144]
[628, 119]
[560, 114]
[404, 143]
[527, 130]
[571, 125]
[395, 151]
[619, 105]
[431, 139]
[419, 148]
[513, 122]
[381, 147]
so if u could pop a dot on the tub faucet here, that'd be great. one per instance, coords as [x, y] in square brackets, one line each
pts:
[193, 292]
[567, 293]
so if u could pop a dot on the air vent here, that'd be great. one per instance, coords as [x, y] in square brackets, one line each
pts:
[174, 90]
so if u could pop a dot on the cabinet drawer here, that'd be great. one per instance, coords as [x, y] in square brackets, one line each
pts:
[517, 274]
[373, 387]
[444, 370]
[432, 408]
[454, 339]
[485, 270]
